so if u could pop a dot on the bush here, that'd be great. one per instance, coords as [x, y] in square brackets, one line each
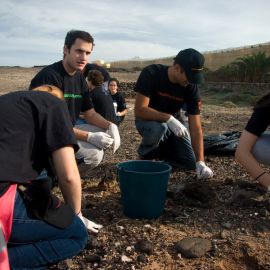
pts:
[229, 104]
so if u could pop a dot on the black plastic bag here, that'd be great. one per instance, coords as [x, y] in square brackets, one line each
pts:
[221, 144]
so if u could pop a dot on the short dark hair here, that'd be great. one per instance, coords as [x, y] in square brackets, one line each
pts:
[72, 35]
[96, 77]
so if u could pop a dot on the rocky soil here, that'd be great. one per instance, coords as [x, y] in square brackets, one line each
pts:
[220, 224]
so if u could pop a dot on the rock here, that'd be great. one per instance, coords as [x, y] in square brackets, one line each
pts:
[93, 258]
[144, 246]
[227, 225]
[225, 234]
[142, 258]
[193, 247]
[63, 265]
[125, 258]
[128, 249]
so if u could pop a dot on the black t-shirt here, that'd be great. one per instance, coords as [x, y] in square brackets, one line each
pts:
[75, 88]
[259, 121]
[103, 103]
[120, 100]
[104, 72]
[165, 96]
[33, 124]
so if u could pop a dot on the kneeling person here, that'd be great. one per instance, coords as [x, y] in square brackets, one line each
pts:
[161, 92]
[36, 133]
[254, 145]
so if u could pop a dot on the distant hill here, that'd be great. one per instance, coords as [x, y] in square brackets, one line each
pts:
[213, 59]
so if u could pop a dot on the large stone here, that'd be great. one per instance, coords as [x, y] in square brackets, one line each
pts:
[193, 247]
[144, 246]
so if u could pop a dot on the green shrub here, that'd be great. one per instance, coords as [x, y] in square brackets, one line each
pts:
[229, 104]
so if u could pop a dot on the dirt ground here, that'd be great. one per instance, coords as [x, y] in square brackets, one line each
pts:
[229, 210]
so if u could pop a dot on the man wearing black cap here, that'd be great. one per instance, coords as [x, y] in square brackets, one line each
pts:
[161, 93]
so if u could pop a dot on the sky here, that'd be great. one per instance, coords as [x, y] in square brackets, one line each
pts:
[32, 32]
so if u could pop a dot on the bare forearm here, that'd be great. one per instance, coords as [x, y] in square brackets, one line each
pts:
[71, 193]
[80, 134]
[247, 160]
[197, 144]
[94, 118]
[244, 154]
[68, 176]
[124, 112]
[196, 134]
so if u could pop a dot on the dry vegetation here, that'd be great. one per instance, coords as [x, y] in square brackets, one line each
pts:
[229, 210]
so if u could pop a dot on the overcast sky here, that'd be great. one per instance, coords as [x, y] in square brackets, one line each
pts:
[32, 32]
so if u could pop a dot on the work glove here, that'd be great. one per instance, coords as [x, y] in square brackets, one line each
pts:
[118, 114]
[203, 172]
[114, 133]
[177, 127]
[101, 140]
[90, 225]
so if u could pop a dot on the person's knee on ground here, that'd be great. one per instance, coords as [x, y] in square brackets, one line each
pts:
[178, 152]
[46, 244]
[152, 133]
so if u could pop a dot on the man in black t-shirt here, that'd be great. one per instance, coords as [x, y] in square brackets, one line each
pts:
[101, 99]
[161, 92]
[35, 133]
[98, 134]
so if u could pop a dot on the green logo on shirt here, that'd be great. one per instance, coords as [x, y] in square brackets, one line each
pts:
[72, 96]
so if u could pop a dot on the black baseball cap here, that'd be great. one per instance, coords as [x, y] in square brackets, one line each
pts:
[192, 62]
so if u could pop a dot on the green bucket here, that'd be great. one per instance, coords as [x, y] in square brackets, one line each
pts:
[143, 185]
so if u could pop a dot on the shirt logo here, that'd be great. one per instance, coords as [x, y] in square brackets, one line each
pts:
[170, 96]
[74, 96]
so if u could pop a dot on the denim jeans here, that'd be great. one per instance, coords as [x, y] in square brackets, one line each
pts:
[261, 149]
[34, 244]
[158, 140]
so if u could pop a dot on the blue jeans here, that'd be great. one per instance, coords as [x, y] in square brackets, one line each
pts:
[159, 141]
[80, 121]
[261, 149]
[34, 244]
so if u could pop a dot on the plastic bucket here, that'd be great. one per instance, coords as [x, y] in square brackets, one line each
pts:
[143, 185]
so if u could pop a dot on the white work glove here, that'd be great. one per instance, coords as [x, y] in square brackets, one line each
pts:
[101, 140]
[203, 172]
[114, 133]
[118, 114]
[90, 225]
[177, 127]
